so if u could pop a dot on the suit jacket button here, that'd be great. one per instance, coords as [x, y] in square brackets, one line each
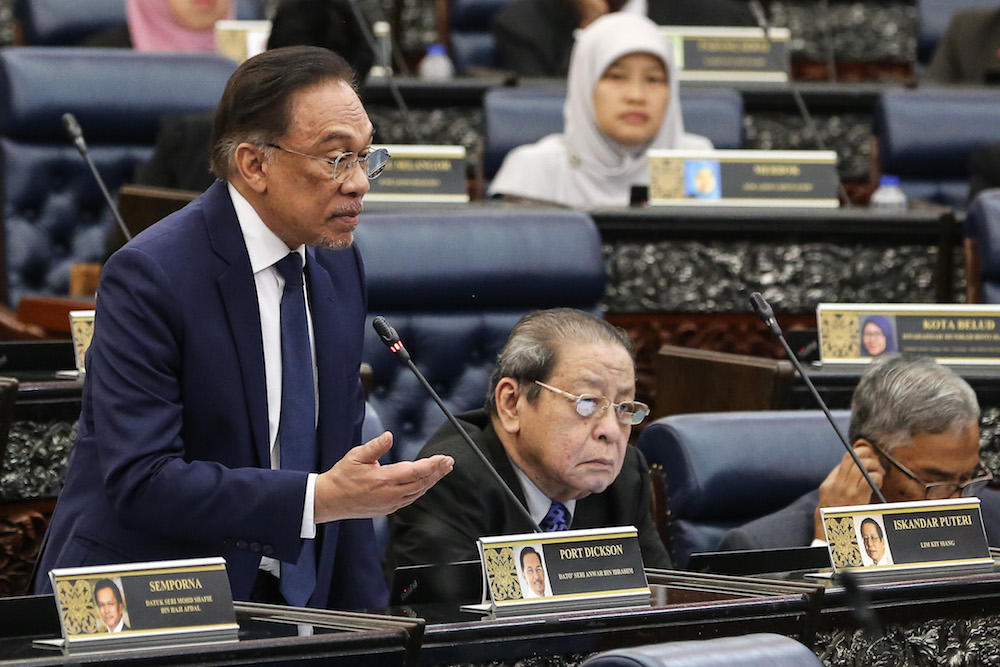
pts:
[228, 543]
[241, 544]
[255, 547]
[267, 550]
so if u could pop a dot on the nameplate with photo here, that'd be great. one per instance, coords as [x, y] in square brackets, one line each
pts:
[422, 174]
[730, 54]
[112, 607]
[924, 534]
[860, 332]
[743, 178]
[537, 573]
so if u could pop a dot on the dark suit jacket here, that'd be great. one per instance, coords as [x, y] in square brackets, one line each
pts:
[444, 524]
[970, 50]
[794, 525]
[535, 37]
[171, 460]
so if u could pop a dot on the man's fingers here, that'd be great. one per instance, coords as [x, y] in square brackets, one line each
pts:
[428, 470]
[374, 449]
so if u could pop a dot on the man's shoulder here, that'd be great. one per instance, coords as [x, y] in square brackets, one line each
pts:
[791, 526]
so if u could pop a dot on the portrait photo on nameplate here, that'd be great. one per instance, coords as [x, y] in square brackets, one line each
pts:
[860, 332]
[143, 604]
[915, 535]
[537, 573]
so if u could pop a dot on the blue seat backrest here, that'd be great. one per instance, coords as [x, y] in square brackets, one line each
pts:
[983, 224]
[52, 211]
[66, 22]
[750, 650]
[470, 33]
[721, 470]
[935, 15]
[523, 115]
[453, 284]
[926, 136]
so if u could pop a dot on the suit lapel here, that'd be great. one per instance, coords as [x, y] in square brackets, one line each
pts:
[239, 297]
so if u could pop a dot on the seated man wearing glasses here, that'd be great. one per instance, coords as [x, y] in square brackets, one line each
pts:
[915, 426]
[556, 427]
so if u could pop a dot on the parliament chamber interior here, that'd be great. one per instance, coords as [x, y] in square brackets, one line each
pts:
[734, 433]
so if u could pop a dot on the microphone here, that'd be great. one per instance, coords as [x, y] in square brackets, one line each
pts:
[758, 13]
[76, 136]
[764, 311]
[391, 339]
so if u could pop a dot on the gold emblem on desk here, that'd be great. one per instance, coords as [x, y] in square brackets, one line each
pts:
[844, 548]
[77, 607]
[82, 328]
[840, 335]
[503, 584]
[667, 176]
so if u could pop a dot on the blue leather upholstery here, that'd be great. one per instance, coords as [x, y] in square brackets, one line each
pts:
[935, 15]
[53, 214]
[453, 284]
[926, 136]
[721, 470]
[983, 224]
[755, 649]
[517, 116]
[66, 22]
[469, 29]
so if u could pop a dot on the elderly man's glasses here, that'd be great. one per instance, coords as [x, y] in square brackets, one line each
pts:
[629, 413]
[941, 490]
[373, 163]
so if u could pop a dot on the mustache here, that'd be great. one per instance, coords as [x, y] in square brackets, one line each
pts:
[348, 209]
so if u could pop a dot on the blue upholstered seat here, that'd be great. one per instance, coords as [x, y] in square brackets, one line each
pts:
[52, 210]
[453, 283]
[983, 225]
[926, 136]
[523, 115]
[469, 29]
[721, 470]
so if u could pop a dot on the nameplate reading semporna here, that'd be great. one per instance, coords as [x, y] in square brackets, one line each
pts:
[151, 604]
[537, 572]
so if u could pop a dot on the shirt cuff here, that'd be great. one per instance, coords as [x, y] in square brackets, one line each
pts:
[308, 530]
[818, 542]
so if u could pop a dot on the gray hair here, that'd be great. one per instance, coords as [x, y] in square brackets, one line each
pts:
[531, 350]
[899, 397]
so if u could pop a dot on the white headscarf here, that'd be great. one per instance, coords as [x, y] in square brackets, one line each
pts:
[583, 167]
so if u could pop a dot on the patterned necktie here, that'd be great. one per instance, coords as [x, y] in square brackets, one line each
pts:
[297, 425]
[557, 518]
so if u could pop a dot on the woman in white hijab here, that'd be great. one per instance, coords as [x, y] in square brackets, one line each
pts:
[622, 99]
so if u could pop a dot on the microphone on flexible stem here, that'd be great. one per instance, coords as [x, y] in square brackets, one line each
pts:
[758, 13]
[76, 136]
[395, 345]
[763, 310]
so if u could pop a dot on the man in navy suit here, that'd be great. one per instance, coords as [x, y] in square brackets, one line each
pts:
[179, 452]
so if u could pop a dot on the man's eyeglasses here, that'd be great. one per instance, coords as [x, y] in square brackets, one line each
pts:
[343, 164]
[629, 413]
[941, 490]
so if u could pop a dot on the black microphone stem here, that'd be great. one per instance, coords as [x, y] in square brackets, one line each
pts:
[764, 311]
[76, 135]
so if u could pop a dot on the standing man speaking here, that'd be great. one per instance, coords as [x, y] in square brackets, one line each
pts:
[222, 406]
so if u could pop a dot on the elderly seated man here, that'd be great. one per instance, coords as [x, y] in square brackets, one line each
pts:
[915, 427]
[556, 427]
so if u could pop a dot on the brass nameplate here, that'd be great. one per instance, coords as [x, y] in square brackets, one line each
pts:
[144, 604]
[422, 174]
[900, 536]
[575, 569]
[743, 178]
[858, 332]
[730, 54]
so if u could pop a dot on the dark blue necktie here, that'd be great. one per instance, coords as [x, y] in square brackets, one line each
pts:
[297, 425]
[557, 518]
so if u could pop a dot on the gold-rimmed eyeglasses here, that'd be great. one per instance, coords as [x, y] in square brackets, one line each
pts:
[941, 490]
[629, 413]
[373, 163]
